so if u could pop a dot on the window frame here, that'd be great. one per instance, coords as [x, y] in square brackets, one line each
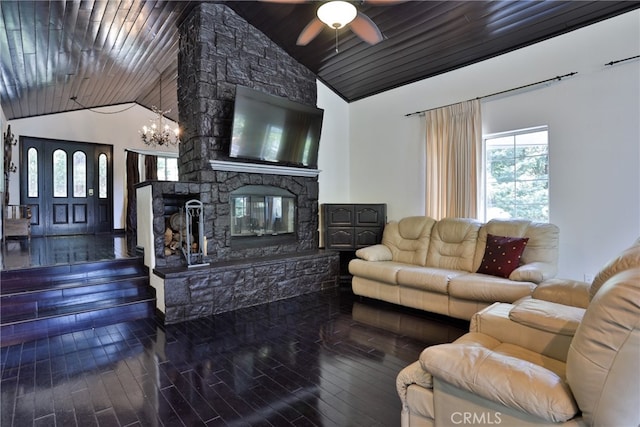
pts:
[166, 176]
[79, 174]
[482, 200]
[56, 173]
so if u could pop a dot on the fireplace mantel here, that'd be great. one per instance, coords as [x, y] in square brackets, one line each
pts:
[228, 166]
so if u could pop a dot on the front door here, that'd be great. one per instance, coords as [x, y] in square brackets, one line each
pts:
[68, 186]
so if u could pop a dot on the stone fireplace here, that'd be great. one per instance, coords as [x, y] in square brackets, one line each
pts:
[260, 220]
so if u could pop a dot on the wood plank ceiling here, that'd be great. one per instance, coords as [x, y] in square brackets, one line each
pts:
[114, 52]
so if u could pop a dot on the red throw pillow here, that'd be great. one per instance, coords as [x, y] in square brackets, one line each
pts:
[502, 255]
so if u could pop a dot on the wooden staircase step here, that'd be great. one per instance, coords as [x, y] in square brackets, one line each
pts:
[33, 304]
[19, 332]
[67, 284]
[42, 277]
[46, 301]
[63, 310]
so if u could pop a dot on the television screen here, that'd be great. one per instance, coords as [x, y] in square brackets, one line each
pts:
[275, 129]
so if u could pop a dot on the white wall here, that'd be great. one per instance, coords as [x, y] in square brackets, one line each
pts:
[593, 121]
[119, 129]
[333, 156]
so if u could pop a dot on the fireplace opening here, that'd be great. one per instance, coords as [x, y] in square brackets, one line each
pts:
[262, 215]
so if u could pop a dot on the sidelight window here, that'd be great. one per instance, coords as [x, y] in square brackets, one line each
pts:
[102, 176]
[32, 172]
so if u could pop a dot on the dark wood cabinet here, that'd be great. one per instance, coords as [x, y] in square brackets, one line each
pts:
[352, 226]
[348, 227]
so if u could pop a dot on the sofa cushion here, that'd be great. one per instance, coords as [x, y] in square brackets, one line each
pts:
[427, 278]
[543, 244]
[408, 239]
[482, 287]
[504, 373]
[502, 255]
[453, 244]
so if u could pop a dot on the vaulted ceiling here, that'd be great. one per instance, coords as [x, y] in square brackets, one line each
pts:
[60, 56]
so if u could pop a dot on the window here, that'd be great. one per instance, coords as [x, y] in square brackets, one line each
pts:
[59, 173]
[32, 172]
[102, 176]
[516, 175]
[79, 174]
[167, 168]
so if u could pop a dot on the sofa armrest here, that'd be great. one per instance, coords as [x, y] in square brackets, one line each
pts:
[563, 291]
[375, 253]
[412, 374]
[508, 380]
[535, 272]
[547, 316]
[494, 321]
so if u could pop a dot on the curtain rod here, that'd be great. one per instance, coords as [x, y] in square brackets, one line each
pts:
[557, 78]
[622, 60]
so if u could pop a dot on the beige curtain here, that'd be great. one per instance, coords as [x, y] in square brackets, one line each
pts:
[454, 140]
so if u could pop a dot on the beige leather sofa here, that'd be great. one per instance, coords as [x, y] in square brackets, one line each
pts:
[432, 265]
[540, 362]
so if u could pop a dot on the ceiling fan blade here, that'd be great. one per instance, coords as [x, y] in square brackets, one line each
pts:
[285, 1]
[384, 2]
[366, 29]
[310, 32]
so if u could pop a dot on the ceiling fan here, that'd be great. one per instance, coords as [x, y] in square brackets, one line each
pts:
[337, 14]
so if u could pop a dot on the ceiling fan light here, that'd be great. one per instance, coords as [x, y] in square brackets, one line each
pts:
[337, 14]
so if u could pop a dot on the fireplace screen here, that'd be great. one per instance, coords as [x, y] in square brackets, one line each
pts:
[258, 210]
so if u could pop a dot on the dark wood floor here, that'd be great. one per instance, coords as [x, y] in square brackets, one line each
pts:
[56, 250]
[323, 359]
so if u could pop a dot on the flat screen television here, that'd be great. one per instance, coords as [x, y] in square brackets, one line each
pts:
[270, 128]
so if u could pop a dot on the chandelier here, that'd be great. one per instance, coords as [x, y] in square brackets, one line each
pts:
[159, 132]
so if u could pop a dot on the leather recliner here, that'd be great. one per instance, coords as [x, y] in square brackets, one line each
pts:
[481, 379]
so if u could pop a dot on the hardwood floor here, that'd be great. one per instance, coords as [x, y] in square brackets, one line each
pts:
[56, 250]
[322, 359]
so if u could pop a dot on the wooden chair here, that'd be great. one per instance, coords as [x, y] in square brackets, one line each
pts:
[17, 221]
